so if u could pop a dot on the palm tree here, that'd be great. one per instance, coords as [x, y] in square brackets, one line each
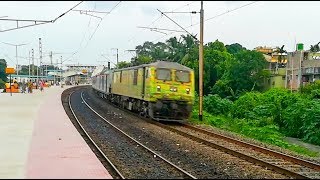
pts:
[281, 58]
[315, 48]
[172, 43]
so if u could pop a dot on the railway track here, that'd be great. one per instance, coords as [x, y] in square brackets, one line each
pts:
[282, 163]
[138, 144]
[92, 141]
[279, 162]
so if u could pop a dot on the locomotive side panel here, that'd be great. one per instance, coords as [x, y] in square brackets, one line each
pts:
[161, 90]
[128, 83]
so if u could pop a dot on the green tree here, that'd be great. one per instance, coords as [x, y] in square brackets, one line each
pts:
[315, 48]
[24, 70]
[3, 75]
[145, 49]
[243, 73]
[160, 51]
[142, 59]
[234, 48]
[215, 58]
[281, 56]
[175, 53]
[123, 64]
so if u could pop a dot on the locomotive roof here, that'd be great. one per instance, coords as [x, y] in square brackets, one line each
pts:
[161, 64]
[170, 65]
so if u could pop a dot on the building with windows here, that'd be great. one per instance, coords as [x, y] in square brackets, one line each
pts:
[276, 64]
[303, 68]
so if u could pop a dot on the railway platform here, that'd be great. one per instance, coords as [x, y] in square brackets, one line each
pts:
[39, 141]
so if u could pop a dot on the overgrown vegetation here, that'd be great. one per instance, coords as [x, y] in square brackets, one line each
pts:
[3, 76]
[233, 87]
[268, 116]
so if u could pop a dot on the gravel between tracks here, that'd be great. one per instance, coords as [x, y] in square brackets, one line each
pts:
[201, 161]
[258, 143]
[132, 160]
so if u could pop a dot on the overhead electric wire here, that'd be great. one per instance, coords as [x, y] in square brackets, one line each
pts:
[35, 21]
[86, 30]
[160, 29]
[161, 17]
[148, 26]
[95, 29]
[184, 6]
[211, 18]
[225, 12]
[178, 25]
[67, 11]
[102, 19]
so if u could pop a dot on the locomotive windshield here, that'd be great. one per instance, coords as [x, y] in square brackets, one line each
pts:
[164, 74]
[182, 76]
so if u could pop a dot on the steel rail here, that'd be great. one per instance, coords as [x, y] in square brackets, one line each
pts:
[235, 153]
[258, 148]
[113, 166]
[158, 155]
[216, 146]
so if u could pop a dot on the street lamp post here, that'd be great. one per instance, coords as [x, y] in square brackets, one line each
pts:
[61, 72]
[16, 45]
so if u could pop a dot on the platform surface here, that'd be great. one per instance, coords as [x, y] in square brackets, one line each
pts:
[39, 140]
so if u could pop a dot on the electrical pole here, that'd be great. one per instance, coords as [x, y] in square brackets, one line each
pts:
[61, 71]
[40, 53]
[117, 55]
[300, 70]
[29, 65]
[54, 80]
[17, 60]
[16, 45]
[32, 54]
[56, 72]
[50, 57]
[201, 63]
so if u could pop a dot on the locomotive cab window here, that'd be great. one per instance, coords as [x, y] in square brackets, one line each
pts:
[164, 74]
[182, 76]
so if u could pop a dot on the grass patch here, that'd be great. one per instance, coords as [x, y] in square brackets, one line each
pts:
[268, 134]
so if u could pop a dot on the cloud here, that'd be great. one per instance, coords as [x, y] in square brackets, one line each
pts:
[262, 23]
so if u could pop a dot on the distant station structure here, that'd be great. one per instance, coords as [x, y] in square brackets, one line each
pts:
[70, 74]
[80, 73]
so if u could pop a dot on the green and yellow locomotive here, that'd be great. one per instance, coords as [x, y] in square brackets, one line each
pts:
[161, 90]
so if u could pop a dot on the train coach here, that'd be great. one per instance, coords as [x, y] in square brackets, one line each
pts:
[161, 90]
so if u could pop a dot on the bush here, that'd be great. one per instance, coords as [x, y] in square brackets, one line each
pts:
[292, 119]
[243, 107]
[2, 84]
[280, 100]
[310, 87]
[216, 106]
[311, 123]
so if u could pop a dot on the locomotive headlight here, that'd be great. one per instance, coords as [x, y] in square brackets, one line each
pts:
[175, 89]
[158, 88]
[188, 90]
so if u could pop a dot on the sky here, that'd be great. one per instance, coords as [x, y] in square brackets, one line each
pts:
[77, 38]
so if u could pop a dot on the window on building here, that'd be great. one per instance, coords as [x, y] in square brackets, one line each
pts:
[283, 77]
[135, 77]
